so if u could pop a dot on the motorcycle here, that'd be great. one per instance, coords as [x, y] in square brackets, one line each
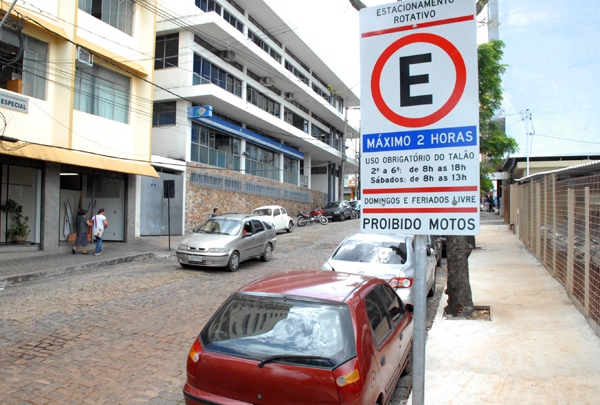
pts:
[315, 215]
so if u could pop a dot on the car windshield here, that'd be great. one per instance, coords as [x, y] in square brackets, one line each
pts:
[263, 211]
[354, 204]
[332, 204]
[319, 334]
[221, 226]
[371, 252]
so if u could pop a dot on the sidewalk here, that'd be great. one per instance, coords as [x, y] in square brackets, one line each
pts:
[32, 265]
[537, 348]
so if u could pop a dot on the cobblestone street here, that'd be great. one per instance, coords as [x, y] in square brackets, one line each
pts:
[121, 334]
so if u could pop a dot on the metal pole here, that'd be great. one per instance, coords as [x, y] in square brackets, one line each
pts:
[169, 220]
[420, 319]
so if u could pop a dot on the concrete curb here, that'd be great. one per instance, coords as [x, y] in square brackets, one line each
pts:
[75, 269]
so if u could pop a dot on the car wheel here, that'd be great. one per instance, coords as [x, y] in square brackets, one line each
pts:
[343, 217]
[234, 262]
[290, 227]
[266, 256]
[431, 292]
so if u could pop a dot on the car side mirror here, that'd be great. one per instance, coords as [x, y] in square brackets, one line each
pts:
[409, 308]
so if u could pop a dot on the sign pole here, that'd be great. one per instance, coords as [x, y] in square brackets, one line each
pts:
[420, 320]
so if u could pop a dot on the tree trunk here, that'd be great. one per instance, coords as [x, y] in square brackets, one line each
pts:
[460, 300]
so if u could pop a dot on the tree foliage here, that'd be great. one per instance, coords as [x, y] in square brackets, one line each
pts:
[494, 144]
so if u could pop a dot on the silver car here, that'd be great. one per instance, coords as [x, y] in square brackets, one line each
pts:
[389, 257]
[227, 240]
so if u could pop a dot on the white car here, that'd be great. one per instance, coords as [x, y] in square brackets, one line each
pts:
[278, 217]
[389, 257]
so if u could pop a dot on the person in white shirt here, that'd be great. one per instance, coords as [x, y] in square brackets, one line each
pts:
[99, 225]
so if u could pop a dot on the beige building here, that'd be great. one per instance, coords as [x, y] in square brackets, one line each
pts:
[75, 109]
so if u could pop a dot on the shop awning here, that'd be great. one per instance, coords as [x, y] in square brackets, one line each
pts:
[52, 154]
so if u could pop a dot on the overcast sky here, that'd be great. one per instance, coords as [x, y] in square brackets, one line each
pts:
[551, 57]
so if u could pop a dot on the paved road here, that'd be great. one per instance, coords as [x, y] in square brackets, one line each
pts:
[121, 334]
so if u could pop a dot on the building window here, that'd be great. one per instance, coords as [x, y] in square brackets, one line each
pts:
[116, 13]
[233, 21]
[264, 46]
[206, 72]
[102, 92]
[23, 72]
[214, 148]
[296, 72]
[291, 169]
[167, 51]
[164, 114]
[209, 5]
[262, 162]
[294, 119]
[263, 102]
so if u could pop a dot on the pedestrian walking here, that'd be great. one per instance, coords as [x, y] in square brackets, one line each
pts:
[99, 225]
[81, 227]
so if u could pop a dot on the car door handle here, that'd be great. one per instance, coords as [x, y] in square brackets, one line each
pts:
[383, 360]
[401, 335]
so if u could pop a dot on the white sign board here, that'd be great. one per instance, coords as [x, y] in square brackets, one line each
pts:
[419, 118]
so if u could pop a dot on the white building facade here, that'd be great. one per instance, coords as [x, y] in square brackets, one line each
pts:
[245, 112]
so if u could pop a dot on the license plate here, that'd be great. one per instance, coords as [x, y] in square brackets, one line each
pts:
[196, 259]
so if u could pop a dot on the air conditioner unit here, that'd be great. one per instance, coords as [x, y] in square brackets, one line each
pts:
[267, 81]
[227, 56]
[84, 56]
[288, 96]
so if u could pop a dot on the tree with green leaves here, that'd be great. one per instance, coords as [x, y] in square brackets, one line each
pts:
[494, 146]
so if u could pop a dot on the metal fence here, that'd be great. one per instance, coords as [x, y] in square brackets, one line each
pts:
[242, 185]
[557, 216]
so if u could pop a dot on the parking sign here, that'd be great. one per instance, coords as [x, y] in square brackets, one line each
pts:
[419, 109]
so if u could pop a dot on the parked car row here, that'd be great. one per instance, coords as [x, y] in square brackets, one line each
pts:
[342, 334]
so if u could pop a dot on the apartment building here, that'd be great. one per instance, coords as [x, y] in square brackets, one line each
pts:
[75, 108]
[245, 114]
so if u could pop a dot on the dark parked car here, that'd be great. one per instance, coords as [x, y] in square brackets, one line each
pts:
[338, 210]
[355, 204]
[302, 337]
[227, 240]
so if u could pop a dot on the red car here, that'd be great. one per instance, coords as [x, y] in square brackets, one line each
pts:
[302, 337]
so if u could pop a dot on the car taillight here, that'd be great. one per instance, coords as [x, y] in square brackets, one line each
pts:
[401, 282]
[348, 380]
[193, 357]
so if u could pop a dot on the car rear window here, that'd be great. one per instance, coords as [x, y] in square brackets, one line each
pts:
[258, 327]
[371, 252]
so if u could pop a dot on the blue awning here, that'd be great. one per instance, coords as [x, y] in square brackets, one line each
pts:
[203, 115]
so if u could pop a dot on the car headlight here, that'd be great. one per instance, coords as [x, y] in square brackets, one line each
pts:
[216, 250]
[182, 247]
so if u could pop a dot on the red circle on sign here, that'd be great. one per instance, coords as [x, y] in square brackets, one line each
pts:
[459, 86]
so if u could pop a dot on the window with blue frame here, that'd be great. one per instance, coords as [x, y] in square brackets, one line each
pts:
[209, 5]
[214, 148]
[164, 114]
[263, 102]
[205, 72]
